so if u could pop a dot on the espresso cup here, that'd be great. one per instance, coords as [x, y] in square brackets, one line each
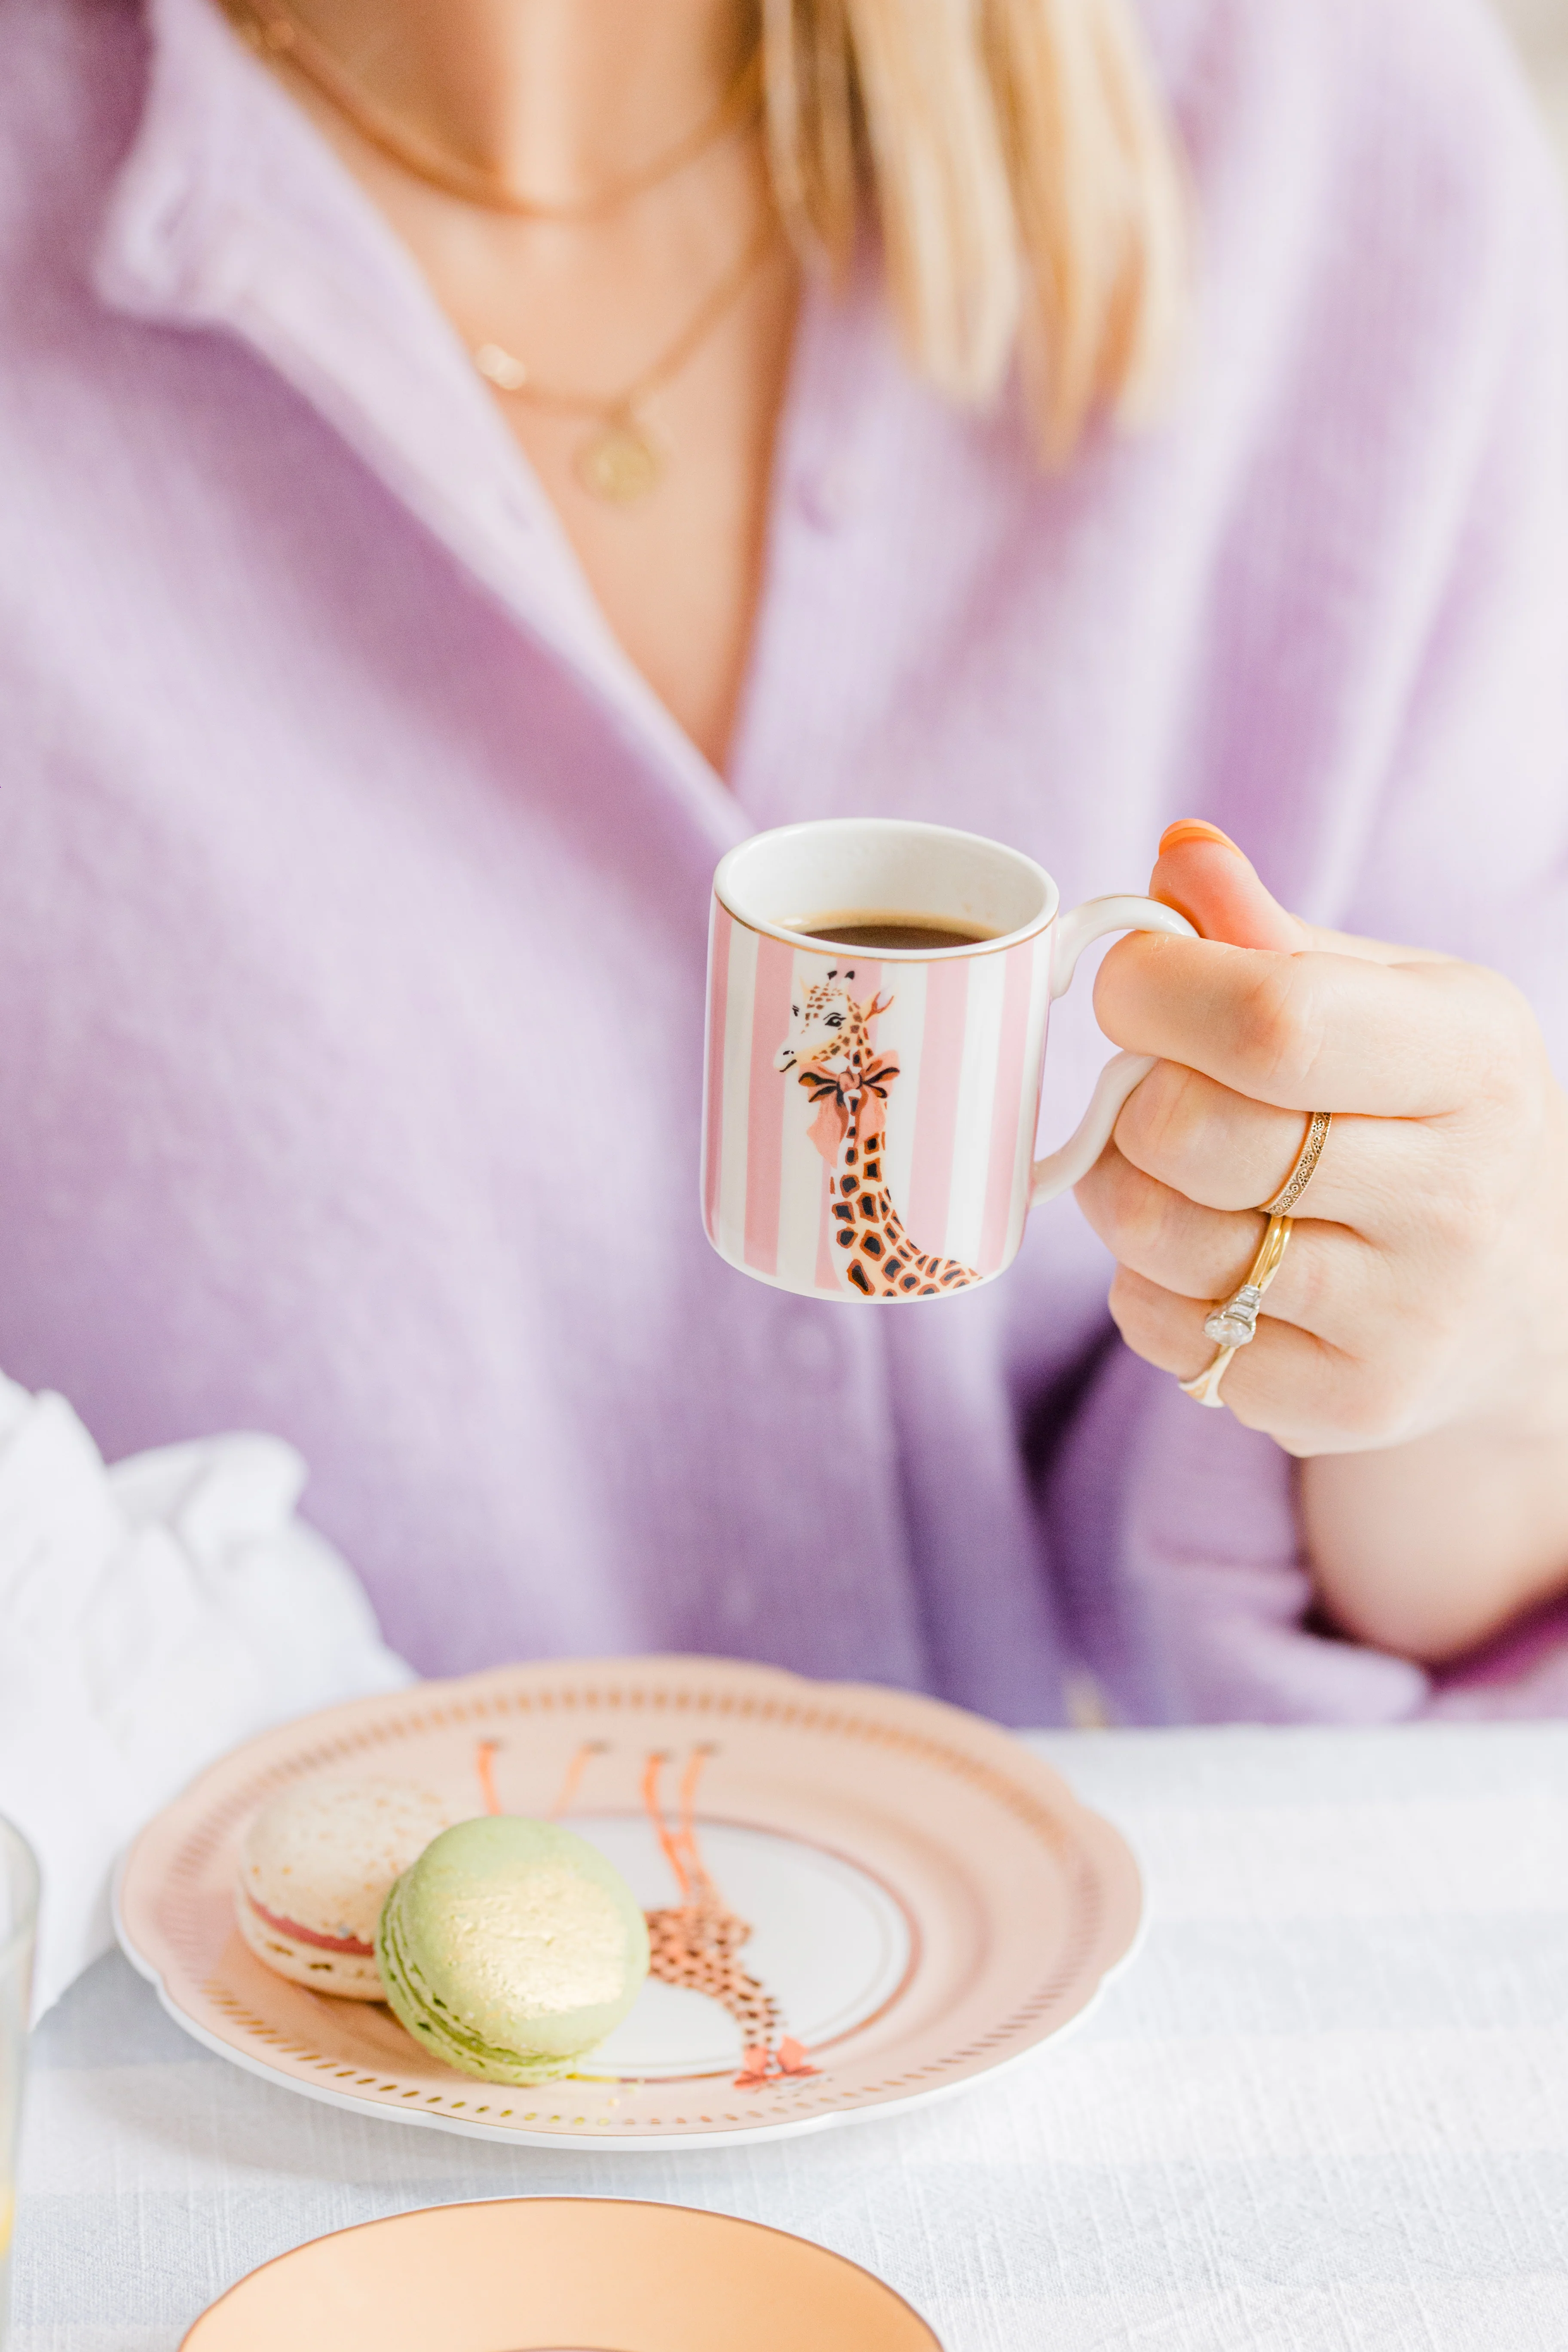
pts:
[870, 1110]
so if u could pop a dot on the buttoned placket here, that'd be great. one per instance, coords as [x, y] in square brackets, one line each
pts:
[231, 214]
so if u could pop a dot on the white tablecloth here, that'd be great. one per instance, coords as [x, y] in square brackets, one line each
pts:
[1326, 2107]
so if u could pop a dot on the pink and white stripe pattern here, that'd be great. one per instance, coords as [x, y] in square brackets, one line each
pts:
[968, 1033]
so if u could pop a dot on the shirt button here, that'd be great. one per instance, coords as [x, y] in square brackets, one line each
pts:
[824, 497]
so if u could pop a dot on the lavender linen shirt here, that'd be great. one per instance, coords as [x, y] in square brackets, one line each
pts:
[353, 887]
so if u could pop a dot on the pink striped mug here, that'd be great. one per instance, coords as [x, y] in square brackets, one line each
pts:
[870, 1112]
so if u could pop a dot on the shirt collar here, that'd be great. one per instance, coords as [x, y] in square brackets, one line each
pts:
[231, 212]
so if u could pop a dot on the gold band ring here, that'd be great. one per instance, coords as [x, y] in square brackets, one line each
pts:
[1300, 1176]
[1233, 1325]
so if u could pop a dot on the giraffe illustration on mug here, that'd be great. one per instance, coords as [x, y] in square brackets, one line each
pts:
[830, 1051]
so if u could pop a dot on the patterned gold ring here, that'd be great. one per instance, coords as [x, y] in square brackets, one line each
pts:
[1233, 1325]
[1300, 1176]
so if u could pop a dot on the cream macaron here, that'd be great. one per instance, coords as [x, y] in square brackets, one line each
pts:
[314, 1871]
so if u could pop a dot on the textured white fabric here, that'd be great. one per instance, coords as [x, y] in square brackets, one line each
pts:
[153, 1614]
[1326, 2110]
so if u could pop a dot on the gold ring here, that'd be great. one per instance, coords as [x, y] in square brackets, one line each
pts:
[1300, 1176]
[1233, 1325]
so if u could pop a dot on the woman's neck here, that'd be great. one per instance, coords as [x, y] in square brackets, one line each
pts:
[564, 101]
[556, 96]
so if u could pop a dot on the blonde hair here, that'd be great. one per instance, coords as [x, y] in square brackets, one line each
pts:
[1031, 203]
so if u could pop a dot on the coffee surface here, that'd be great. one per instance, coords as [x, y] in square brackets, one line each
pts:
[872, 931]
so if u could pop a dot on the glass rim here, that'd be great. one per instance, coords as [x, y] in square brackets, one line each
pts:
[17, 1937]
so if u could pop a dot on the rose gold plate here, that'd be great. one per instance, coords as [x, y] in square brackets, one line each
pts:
[920, 1899]
[560, 2274]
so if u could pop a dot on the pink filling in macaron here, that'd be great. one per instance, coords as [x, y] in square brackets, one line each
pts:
[308, 1936]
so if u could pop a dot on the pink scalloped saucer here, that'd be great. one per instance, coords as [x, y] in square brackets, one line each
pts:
[912, 1898]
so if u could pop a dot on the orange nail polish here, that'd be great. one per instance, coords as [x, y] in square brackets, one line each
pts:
[1193, 828]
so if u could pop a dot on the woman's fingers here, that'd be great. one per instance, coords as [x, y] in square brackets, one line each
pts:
[1187, 1131]
[1330, 1282]
[1312, 1031]
[1409, 1276]
[1303, 1391]
[1201, 873]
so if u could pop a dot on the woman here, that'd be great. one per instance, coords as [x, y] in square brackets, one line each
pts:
[468, 465]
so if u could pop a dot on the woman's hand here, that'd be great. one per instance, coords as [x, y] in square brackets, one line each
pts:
[1414, 1343]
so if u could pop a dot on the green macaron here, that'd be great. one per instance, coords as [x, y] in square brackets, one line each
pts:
[510, 1948]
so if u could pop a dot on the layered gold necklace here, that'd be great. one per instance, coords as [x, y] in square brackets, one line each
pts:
[621, 461]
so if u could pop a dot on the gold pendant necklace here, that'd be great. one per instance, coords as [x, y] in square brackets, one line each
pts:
[621, 462]
[620, 465]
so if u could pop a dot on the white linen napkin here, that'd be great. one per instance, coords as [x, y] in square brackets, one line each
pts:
[152, 1615]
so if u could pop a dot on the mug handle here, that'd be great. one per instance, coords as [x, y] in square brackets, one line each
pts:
[1059, 1171]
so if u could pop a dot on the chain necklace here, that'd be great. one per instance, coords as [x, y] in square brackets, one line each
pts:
[622, 462]
[274, 30]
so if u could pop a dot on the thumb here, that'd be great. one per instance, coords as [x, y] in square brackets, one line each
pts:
[1201, 873]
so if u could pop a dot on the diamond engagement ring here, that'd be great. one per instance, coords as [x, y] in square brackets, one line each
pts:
[1234, 1323]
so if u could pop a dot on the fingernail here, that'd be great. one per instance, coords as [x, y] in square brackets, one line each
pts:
[1193, 828]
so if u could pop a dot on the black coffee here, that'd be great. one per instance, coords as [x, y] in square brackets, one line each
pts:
[871, 932]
